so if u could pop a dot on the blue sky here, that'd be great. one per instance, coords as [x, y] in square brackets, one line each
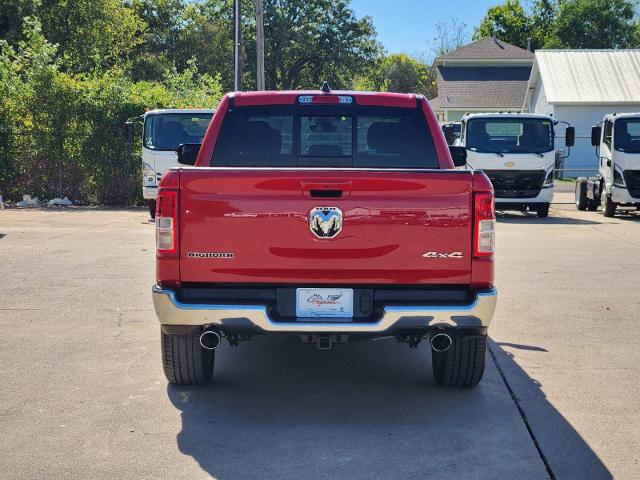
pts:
[407, 26]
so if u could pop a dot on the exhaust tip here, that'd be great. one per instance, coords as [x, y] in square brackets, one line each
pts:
[210, 339]
[440, 342]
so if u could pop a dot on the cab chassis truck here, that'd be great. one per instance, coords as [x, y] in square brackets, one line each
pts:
[617, 142]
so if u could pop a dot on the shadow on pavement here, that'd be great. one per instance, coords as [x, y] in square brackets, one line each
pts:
[364, 410]
[562, 447]
[520, 346]
[550, 220]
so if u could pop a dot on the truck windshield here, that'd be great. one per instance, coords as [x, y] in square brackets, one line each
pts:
[165, 131]
[510, 135]
[325, 136]
[627, 135]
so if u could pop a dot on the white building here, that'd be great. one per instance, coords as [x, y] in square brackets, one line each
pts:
[580, 87]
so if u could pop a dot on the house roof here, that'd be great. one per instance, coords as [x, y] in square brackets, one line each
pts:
[499, 88]
[587, 76]
[486, 48]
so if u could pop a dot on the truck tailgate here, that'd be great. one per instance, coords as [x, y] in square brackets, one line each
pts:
[241, 225]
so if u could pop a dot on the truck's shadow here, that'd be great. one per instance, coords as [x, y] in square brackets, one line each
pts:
[366, 410]
[527, 218]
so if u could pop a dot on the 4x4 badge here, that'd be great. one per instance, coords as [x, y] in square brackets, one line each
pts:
[325, 222]
[442, 255]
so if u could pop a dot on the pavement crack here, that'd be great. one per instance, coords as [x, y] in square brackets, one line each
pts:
[523, 415]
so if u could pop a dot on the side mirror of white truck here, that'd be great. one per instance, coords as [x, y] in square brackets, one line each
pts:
[188, 153]
[129, 132]
[459, 155]
[448, 134]
[570, 137]
[595, 136]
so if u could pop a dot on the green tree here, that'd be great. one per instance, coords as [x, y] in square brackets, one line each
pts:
[159, 45]
[207, 37]
[312, 40]
[543, 19]
[509, 21]
[91, 34]
[61, 131]
[12, 15]
[399, 73]
[594, 24]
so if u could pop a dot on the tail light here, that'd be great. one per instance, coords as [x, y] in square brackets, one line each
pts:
[167, 222]
[485, 225]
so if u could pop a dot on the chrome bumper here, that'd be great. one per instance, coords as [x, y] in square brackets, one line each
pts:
[171, 311]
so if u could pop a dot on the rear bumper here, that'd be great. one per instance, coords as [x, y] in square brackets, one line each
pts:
[171, 311]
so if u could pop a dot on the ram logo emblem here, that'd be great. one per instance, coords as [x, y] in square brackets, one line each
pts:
[325, 222]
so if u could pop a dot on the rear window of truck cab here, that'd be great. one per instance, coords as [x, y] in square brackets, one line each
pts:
[340, 136]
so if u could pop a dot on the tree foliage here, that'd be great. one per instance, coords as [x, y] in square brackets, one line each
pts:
[564, 23]
[594, 24]
[61, 131]
[508, 21]
[399, 73]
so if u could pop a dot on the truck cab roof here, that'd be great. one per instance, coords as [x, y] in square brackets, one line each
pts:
[469, 116]
[160, 111]
[613, 116]
[289, 97]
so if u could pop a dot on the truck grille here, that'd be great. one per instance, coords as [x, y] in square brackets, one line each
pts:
[632, 179]
[516, 183]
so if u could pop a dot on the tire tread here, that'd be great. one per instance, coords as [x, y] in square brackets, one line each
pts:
[184, 361]
[463, 364]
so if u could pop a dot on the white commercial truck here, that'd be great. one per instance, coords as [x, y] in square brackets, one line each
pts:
[162, 132]
[617, 142]
[518, 153]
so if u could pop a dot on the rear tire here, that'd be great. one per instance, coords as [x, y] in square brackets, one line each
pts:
[462, 365]
[184, 360]
[581, 194]
[543, 210]
[608, 206]
[152, 209]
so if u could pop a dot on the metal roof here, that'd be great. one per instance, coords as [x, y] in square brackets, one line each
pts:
[587, 76]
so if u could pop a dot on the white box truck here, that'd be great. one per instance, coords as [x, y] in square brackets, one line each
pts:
[518, 153]
[162, 132]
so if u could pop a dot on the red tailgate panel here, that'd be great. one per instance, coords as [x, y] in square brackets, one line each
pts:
[252, 225]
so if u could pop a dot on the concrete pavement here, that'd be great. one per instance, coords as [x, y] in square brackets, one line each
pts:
[83, 395]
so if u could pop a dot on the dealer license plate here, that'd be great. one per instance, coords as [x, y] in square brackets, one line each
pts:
[324, 302]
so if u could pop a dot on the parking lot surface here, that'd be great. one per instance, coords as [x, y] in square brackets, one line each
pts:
[83, 395]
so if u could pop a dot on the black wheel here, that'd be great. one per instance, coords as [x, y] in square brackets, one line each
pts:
[608, 205]
[581, 194]
[543, 210]
[462, 365]
[152, 208]
[184, 360]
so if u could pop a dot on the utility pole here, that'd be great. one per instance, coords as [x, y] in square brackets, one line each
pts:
[259, 46]
[237, 43]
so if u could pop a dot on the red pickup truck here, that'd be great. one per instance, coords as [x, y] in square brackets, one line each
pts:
[328, 216]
